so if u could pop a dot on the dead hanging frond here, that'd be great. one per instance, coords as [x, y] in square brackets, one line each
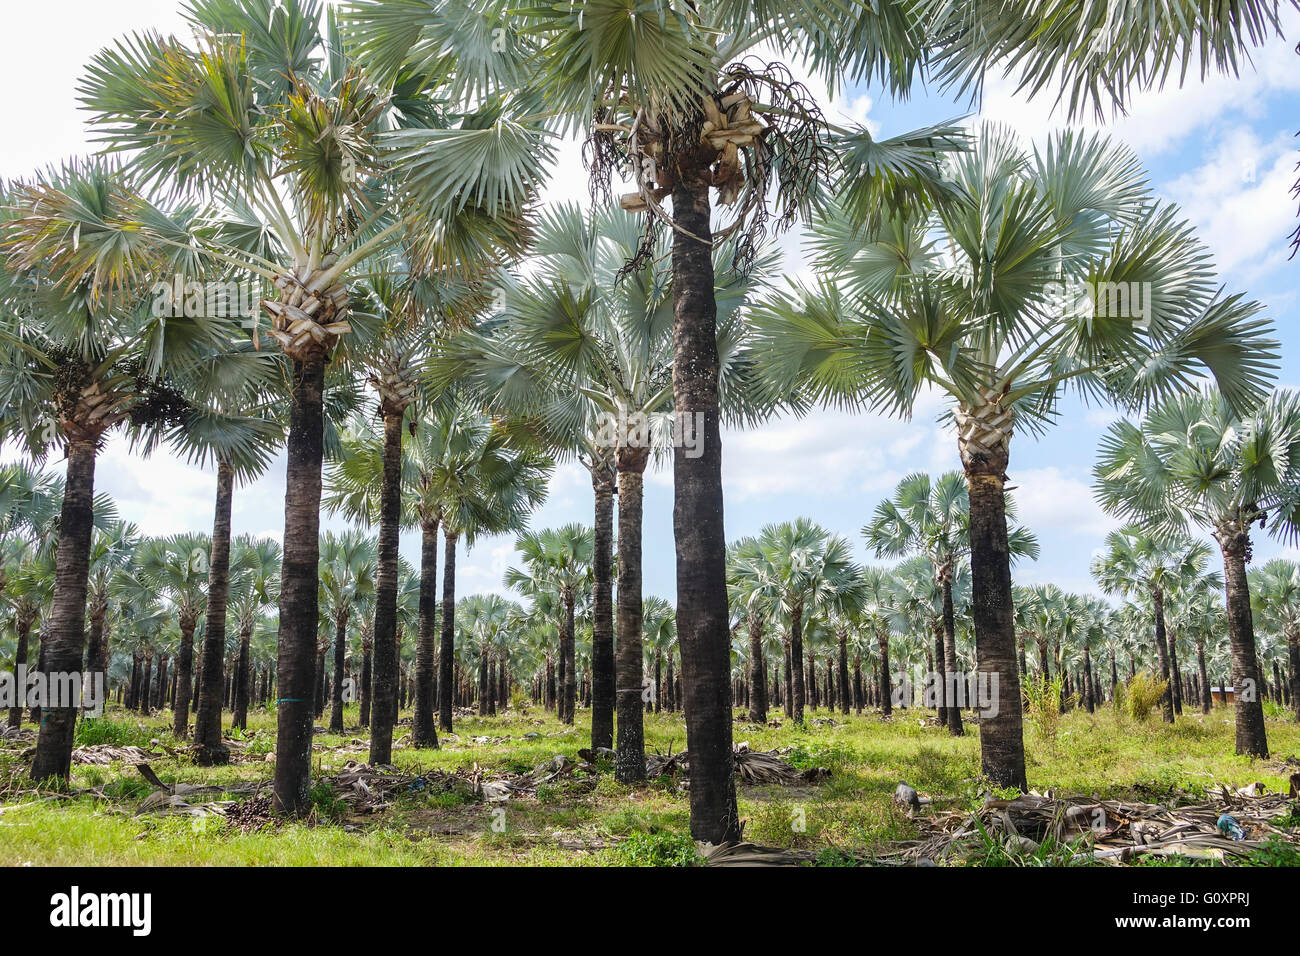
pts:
[761, 131]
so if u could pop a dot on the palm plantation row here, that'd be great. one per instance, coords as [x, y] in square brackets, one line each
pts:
[375, 167]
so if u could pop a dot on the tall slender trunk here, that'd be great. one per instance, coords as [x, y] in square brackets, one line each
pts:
[797, 685]
[1002, 748]
[843, 692]
[950, 651]
[244, 679]
[568, 650]
[1175, 674]
[629, 763]
[22, 627]
[367, 677]
[886, 691]
[1089, 700]
[184, 679]
[63, 639]
[147, 697]
[340, 656]
[384, 712]
[703, 629]
[1293, 656]
[603, 682]
[1251, 737]
[423, 732]
[447, 639]
[483, 681]
[207, 725]
[1162, 651]
[97, 642]
[757, 670]
[787, 698]
[299, 614]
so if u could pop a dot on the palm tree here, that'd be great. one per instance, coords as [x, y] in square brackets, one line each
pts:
[348, 577]
[228, 425]
[177, 566]
[278, 115]
[1049, 269]
[254, 587]
[583, 352]
[1275, 597]
[933, 518]
[753, 588]
[29, 589]
[811, 571]
[559, 560]
[83, 355]
[659, 640]
[1193, 460]
[28, 499]
[112, 551]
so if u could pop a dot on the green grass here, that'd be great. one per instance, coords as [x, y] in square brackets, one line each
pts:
[581, 820]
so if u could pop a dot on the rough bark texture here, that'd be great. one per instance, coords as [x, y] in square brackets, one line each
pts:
[340, 656]
[602, 610]
[1162, 652]
[843, 690]
[1251, 738]
[629, 763]
[950, 649]
[63, 638]
[757, 670]
[702, 626]
[569, 654]
[447, 646]
[207, 725]
[423, 732]
[244, 678]
[886, 691]
[383, 709]
[798, 683]
[299, 613]
[23, 626]
[1002, 750]
[1293, 655]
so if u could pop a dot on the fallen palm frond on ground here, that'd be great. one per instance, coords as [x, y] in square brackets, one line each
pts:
[754, 767]
[1034, 829]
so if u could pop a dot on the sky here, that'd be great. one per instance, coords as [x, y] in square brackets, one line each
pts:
[1223, 149]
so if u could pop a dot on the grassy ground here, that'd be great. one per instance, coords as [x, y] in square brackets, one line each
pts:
[586, 821]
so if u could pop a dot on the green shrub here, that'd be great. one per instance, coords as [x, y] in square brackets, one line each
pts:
[657, 849]
[1043, 706]
[100, 730]
[1142, 694]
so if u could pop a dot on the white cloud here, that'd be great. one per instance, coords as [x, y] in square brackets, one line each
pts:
[1049, 499]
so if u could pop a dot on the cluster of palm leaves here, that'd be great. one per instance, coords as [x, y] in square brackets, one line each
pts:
[373, 166]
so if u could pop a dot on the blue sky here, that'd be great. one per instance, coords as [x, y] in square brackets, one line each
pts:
[1223, 149]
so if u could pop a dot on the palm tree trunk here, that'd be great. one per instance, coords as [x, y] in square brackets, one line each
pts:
[340, 654]
[383, 709]
[482, 681]
[886, 691]
[97, 643]
[63, 640]
[603, 694]
[950, 653]
[1175, 674]
[1002, 748]
[447, 646]
[22, 625]
[1293, 655]
[184, 680]
[629, 763]
[702, 617]
[1251, 737]
[244, 681]
[568, 650]
[367, 676]
[1162, 651]
[757, 670]
[423, 732]
[299, 614]
[796, 663]
[207, 725]
[844, 672]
